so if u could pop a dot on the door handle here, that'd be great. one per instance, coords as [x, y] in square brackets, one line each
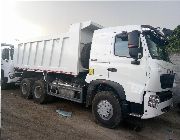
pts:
[112, 69]
[93, 59]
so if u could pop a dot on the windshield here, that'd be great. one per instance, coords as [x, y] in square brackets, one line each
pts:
[156, 46]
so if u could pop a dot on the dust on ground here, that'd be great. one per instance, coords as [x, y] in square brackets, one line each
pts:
[24, 120]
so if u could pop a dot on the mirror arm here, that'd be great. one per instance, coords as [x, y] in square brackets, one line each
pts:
[135, 62]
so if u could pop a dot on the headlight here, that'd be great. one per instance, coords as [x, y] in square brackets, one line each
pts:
[11, 76]
[154, 100]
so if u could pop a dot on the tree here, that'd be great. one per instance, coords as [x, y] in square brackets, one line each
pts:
[174, 41]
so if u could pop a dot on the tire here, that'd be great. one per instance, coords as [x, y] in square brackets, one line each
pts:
[39, 92]
[26, 88]
[85, 55]
[106, 109]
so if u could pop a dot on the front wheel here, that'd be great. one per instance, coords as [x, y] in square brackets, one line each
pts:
[106, 109]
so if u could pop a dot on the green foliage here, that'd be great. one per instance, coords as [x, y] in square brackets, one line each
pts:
[174, 41]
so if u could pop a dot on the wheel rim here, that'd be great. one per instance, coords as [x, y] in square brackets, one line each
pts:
[37, 91]
[105, 109]
[24, 88]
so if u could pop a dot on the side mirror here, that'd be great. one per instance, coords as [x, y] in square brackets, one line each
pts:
[133, 44]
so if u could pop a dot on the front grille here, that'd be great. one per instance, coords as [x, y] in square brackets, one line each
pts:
[18, 74]
[167, 80]
[164, 96]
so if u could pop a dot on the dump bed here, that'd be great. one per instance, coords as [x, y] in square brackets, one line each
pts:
[60, 53]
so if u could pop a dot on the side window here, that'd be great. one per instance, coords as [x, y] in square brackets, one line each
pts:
[5, 54]
[121, 46]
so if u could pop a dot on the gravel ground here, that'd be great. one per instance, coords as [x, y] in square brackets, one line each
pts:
[24, 120]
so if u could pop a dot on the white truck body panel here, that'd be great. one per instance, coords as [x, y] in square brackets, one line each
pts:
[60, 53]
[7, 66]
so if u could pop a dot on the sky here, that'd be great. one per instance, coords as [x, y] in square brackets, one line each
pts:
[29, 19]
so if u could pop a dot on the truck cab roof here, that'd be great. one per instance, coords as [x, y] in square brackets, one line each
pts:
[117, 29]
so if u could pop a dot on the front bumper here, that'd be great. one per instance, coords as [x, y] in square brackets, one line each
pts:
[162, 107]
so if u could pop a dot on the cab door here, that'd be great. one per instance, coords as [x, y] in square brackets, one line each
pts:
[5, 58]
[6, 62]
[122, 69]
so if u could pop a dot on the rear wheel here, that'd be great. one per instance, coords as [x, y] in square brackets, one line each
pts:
[39, 92]
[106, 109]
[26, 88]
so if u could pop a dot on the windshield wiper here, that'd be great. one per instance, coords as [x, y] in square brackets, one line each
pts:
[156, 57]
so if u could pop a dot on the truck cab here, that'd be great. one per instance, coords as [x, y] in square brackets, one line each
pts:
[7, 66]
[133, 58]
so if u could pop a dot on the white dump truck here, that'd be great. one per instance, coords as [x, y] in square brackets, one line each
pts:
[119, 71]
[7, 65]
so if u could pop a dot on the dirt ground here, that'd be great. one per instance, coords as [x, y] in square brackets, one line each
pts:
[24, 120]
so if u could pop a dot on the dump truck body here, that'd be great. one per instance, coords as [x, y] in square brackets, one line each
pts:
[60, 53]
